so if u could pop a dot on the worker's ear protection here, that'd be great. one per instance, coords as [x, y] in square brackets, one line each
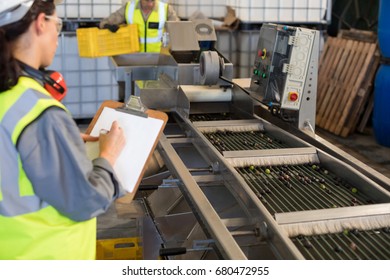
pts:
[53, 81]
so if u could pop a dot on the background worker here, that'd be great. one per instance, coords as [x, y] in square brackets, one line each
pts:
[50, 192]
[149, 15]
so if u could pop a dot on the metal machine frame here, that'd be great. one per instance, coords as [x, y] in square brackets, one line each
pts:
[203, 203]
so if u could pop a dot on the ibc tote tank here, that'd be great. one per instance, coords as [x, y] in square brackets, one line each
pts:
[384, 27]
[381, 114]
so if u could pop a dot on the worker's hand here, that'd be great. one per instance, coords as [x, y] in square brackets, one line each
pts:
[112, 143]
[88, 138]
[112, 27]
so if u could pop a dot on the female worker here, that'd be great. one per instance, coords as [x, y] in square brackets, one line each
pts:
[50, 193]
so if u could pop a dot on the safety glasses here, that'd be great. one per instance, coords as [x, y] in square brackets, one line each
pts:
[58, 22]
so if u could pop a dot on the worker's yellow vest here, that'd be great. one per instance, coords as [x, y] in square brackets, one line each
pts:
[29, 227]
[150, 33]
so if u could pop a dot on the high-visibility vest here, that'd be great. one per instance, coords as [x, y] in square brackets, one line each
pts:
[150, 33]
[29, 227]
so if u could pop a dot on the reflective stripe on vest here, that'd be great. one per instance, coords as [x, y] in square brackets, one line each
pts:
[22, 106]
[150, 39]
[29, 227]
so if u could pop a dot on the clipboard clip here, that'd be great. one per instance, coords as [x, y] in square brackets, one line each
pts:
[134, 106]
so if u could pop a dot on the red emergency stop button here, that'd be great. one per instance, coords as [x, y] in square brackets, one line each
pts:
[293, 96]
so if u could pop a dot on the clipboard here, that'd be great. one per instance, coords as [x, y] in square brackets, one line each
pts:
[142, 127]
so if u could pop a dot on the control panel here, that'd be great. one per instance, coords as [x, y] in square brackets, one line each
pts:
[281, 66]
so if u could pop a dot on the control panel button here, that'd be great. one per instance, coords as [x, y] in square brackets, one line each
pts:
[293, 96]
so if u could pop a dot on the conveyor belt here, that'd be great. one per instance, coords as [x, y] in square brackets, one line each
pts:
[301, 187]
[248, 140]
[353, 245]
[285, 188]
[298, 179]
[212, 117]
[307, 187]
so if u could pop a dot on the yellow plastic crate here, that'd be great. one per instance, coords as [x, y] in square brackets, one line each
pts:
[119, 249]
[95, 42]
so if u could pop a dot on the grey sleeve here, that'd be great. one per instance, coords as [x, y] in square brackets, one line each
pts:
[54, 159]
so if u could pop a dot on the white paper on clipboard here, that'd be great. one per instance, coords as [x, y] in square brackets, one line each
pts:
[141, 134]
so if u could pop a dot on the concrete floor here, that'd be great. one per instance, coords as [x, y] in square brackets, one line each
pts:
[363, 147]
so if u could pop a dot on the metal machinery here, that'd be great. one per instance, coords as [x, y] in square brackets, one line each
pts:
[178, 61]
[246, 177]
